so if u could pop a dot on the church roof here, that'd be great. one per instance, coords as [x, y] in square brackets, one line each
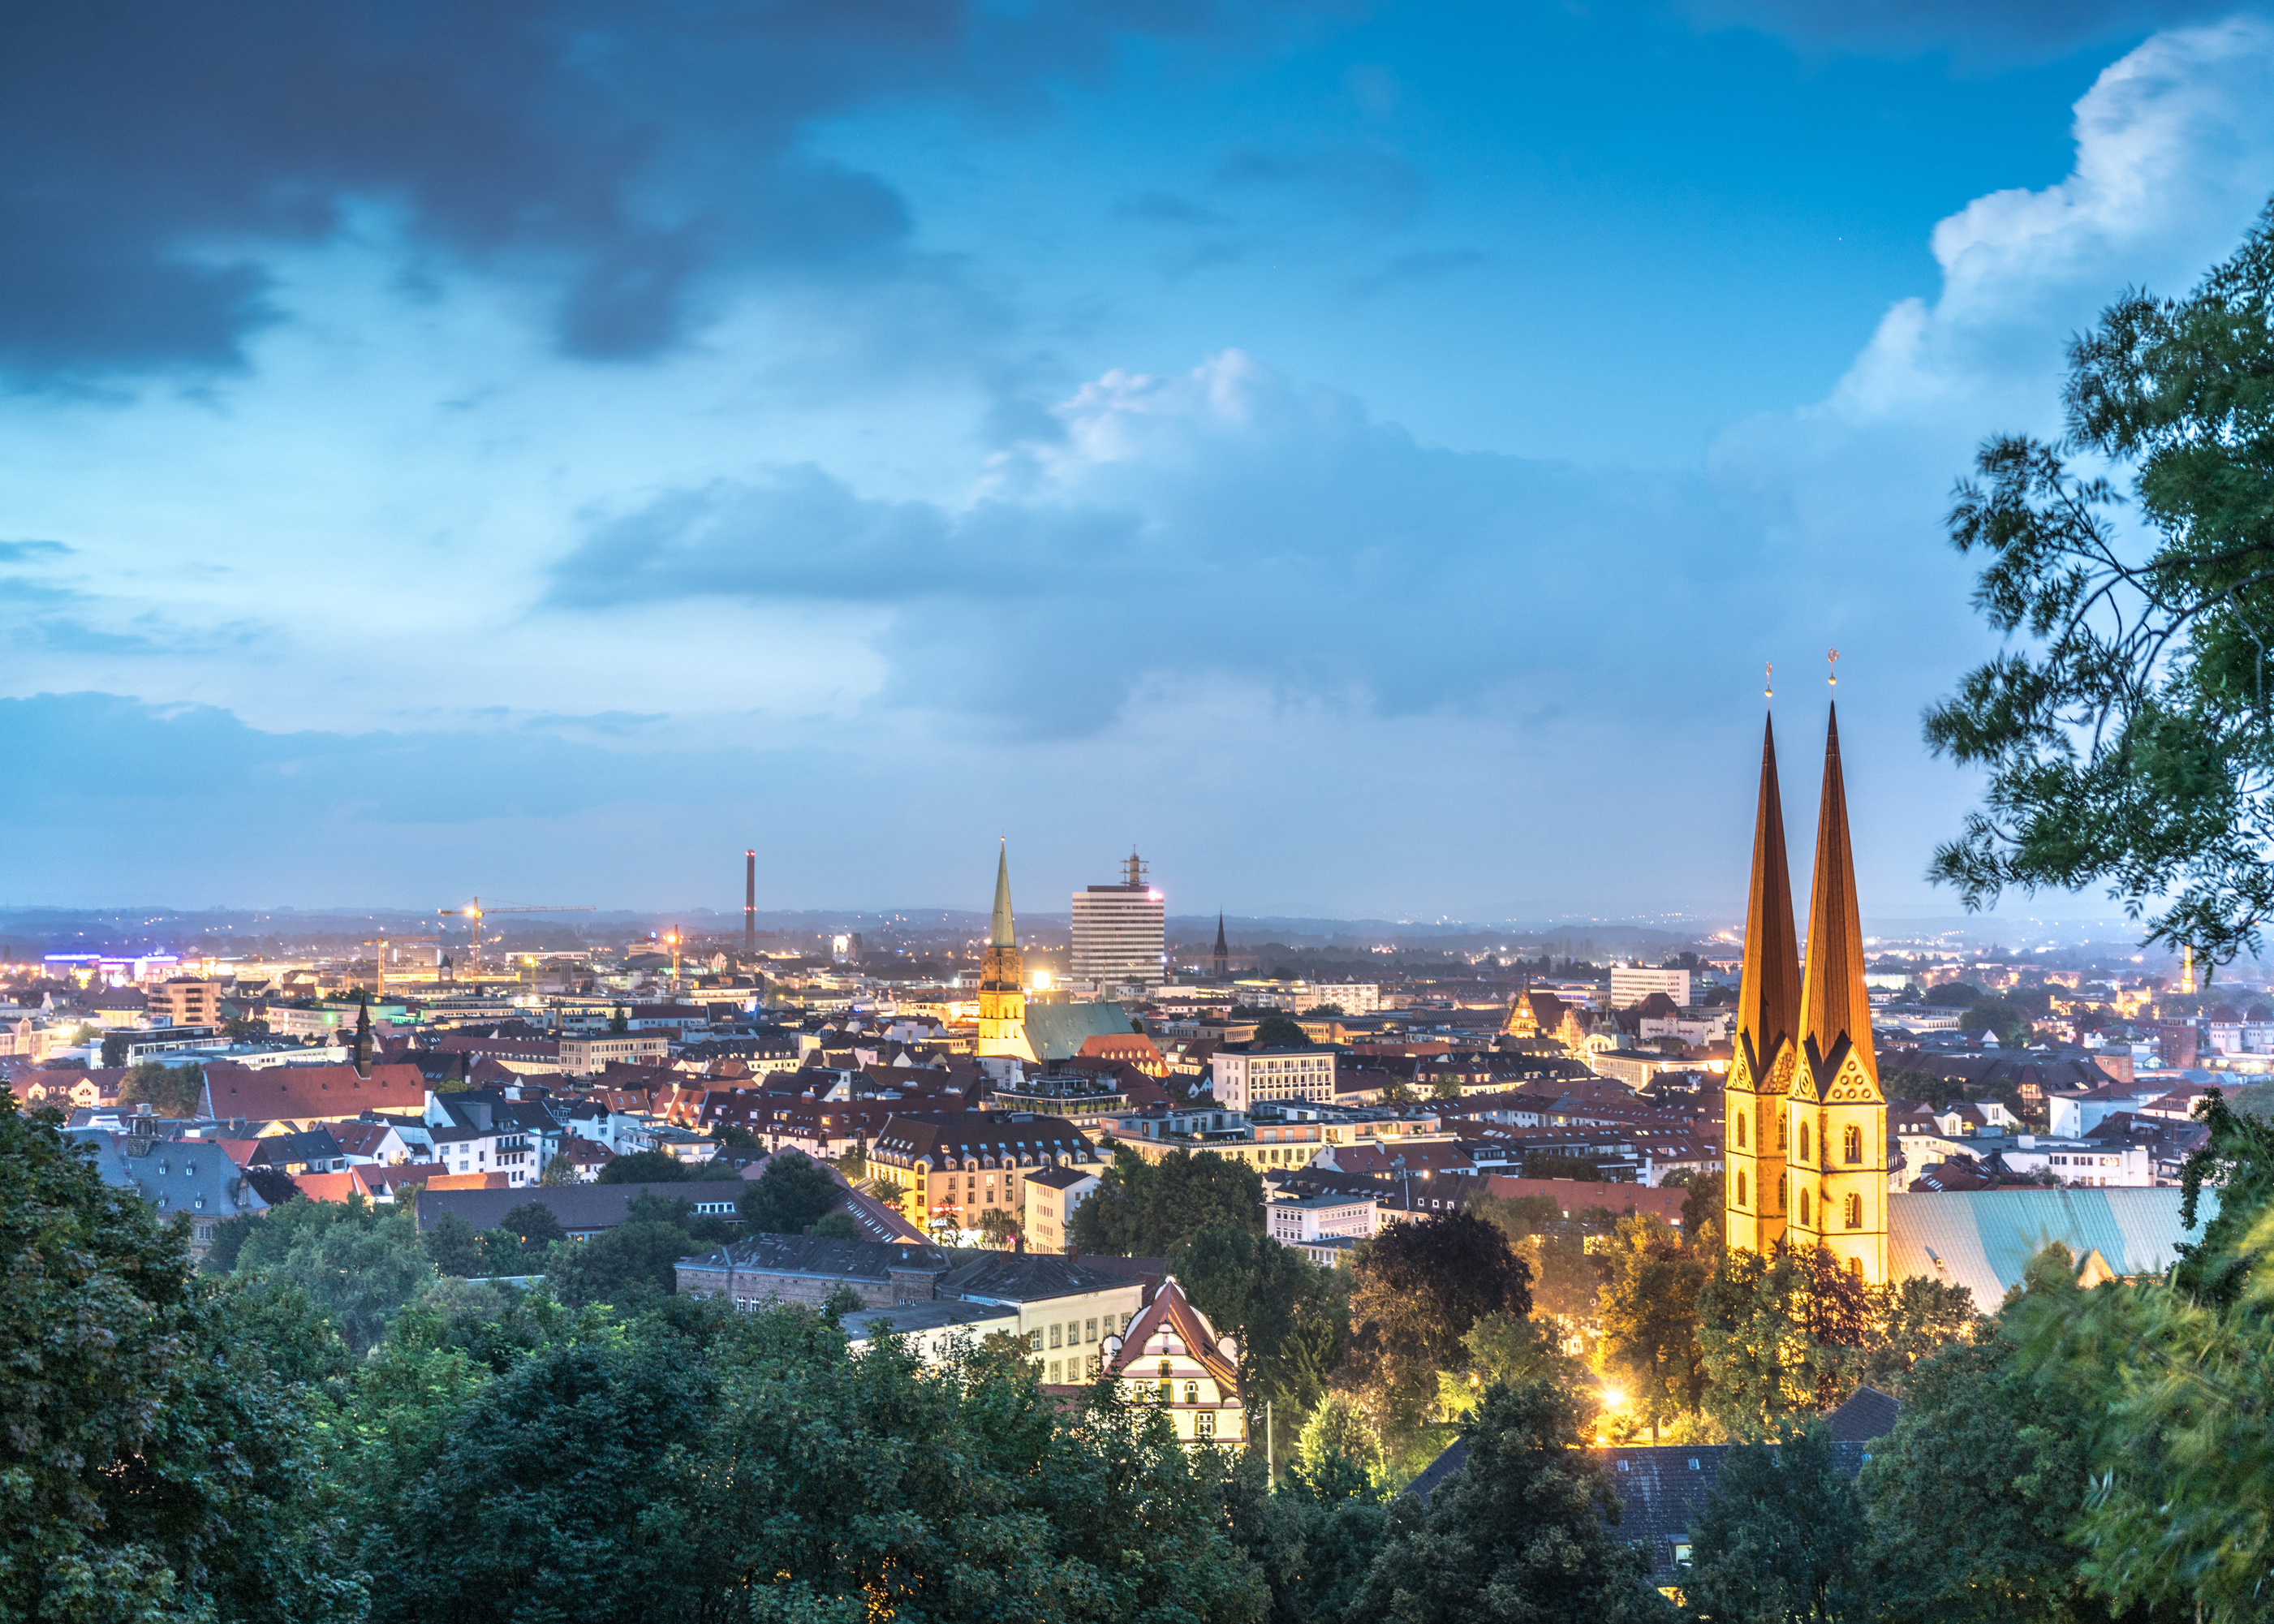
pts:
[1058, 1031]
[1835, 1012]
[1768, 996]
[1983, 1239]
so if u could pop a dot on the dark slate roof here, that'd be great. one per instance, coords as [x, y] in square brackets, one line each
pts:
[1023, 1277]
[1663, 1488]
[826, 1257]
[579, 1207]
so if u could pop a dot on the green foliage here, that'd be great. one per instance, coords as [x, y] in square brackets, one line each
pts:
[454, 1247]
[1550, 1164]
[629, 1266]
[1517, 1533]
[645, 1166]
[733, 1136]
[1648, 1312]
[170, 1091]
[359, 1264]
[2238, 1159]
[838, 1226]
[1142, 1209]
[2009, 1020]
[156, 1461]
[1972, 1495]
[1417, 1291]
[1291, 1319]
[1791, 1335]
[1279, 1032]
[1312, 1545]
[793, 1191]
[2131, 745]
[533, 1225]
[998, 1228]
[1781, 1540]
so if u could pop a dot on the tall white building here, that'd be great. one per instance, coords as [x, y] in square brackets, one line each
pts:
[1120, 933]
[1629, 987]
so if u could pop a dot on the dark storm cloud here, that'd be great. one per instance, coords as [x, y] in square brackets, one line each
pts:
[150, 148]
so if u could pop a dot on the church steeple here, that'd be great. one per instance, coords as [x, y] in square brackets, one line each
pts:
[1767, 1032]
[1223, 950]
[1003, 934]
[1839, 1166]
[1835, 1012]
[1768, 996]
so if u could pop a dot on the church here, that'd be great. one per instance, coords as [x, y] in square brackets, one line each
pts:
[1806, 1151]
[1015, 1027]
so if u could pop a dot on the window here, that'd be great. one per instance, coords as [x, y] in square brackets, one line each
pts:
[1804, 1141]
[1854, 1212]
[1851, 1144]
[1741, 1186]
[1054, 1373]
[1780, 1124]
[1054, 1336]
[1803, 1206]
[1034, 1341]
[1192, 1392]
[1741, 1131]
[1089, 1331]
[1204, 1424]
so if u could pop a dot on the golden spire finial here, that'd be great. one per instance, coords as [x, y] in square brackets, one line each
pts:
[1768, 680]
[1833, 656]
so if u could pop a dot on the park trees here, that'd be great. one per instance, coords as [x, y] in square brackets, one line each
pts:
[1291, 1319]
[1142, 1209]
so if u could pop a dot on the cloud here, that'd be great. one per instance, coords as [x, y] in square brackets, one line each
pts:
[1222, 521]
[1378, 190]
[2005, 30]
[31, 552]
[627, 156]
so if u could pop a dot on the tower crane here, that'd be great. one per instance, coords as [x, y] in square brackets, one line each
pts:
[474, 912]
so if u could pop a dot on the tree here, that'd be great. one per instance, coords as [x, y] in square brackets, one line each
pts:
[1279, 1032]
[2008, 1021]
[1142, 1209]
[455, 1247]
[632, 1264]
[170, 1091]
[793, 1191]
[837, 1226]
[1290, 1317]
[1781, 1540]
[1518, 1532]
[619, 1023]
[2132, 744]
[1447, 1088]
[1418, 1288]
[533, 1227]
[1701, 1209]
[2238, 1159]
[998, 1228]
[1648, 1310]
[360, 1268]
[646, 1167]
[114, 1049]
[1972, 1495]
[158, 1463]
[559, 1173]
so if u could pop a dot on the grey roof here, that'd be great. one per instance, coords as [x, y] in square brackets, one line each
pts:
[1663, 1488]
[825, 1257]
[1062, 1179]
[938, 1314]
[1024, 1277]
[1867, 1414]
[579, 1207]
[1058, 1031]
[1983, 1239]
[174, 1175]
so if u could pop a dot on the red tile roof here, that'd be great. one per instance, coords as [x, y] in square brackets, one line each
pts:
[301, 1094]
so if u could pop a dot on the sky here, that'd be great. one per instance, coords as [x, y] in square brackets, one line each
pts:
[1362, 455]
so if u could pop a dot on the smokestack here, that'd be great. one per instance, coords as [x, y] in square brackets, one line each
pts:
[751, 904]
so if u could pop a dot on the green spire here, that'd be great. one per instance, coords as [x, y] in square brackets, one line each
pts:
[1004, 933]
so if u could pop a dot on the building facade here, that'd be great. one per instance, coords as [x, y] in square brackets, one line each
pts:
[1170, 1359]
[1244, 1079]
[1120, 933]
[954, 1167]
[1630, 985]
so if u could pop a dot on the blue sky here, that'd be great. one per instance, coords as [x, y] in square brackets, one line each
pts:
[1362, 455]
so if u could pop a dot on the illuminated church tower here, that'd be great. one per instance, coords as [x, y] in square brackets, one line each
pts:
[1002, 977]
[1767, 1033]
[1838, 1156]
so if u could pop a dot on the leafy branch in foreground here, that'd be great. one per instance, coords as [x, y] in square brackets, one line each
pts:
[2131, 744]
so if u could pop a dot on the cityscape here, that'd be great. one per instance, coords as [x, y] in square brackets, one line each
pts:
[921, 813]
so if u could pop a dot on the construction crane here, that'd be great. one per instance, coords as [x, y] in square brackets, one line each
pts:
[474, 912]
[379, 988]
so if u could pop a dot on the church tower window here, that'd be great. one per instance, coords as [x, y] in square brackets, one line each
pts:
[1854, 1211]
[1741, 1130]
[1741, 1186]
[1804, 1141]
[1803, 1206]
[1851, 1144]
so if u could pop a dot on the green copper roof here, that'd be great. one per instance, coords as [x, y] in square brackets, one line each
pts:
[1984, 1238]
[1004, 933]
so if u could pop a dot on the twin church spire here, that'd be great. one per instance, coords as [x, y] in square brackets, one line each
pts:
[1806, 1151]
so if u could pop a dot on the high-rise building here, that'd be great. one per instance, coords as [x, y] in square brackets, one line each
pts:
[1120, 932]
[1838, 1162]
[1765, 1040]
[1002, 976]
[1631, 984]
